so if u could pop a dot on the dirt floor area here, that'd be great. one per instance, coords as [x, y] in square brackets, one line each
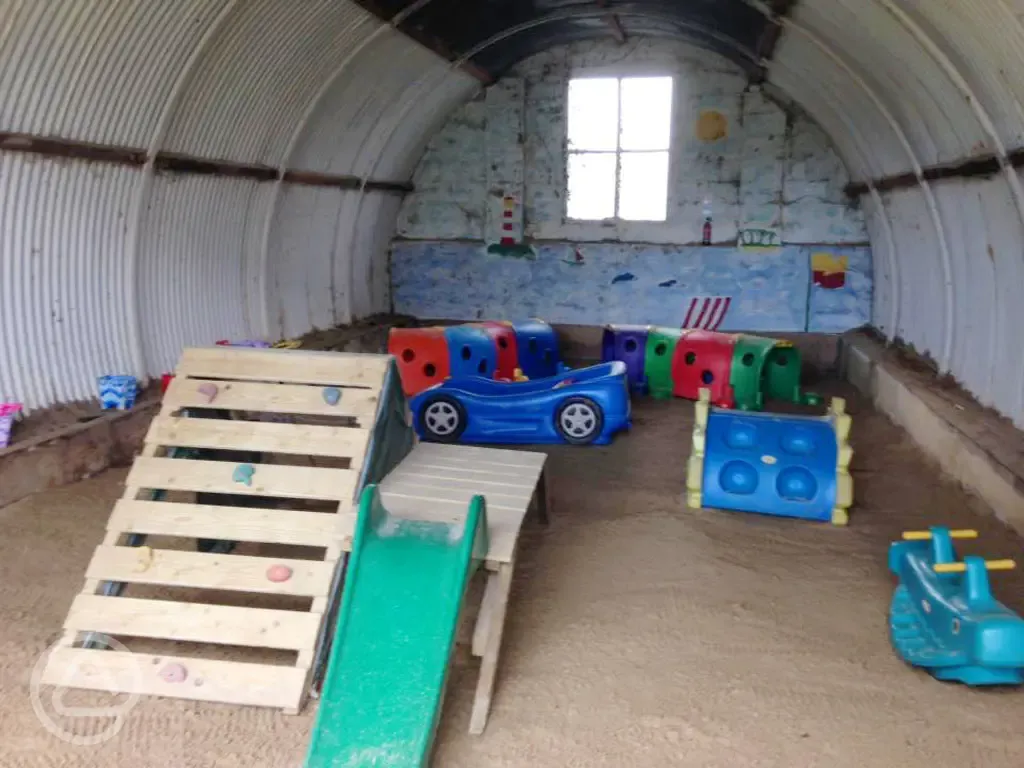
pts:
[640, 633]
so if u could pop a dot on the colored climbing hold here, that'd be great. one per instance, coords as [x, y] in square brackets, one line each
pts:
[208, 390]
[145, 559]
[243, 474]
[174, 673]
[332, 395]
[279, 573]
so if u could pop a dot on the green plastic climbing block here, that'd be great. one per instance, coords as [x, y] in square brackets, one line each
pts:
[749, 358]
[766, 368]
[661, 344]
[386, 674]
[782, 374]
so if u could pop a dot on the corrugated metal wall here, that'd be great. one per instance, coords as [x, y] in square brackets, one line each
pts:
[905, 84]
[107, 268]
[64, 312]
[113, 269]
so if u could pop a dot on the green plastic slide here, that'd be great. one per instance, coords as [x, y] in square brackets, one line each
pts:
[382, 695]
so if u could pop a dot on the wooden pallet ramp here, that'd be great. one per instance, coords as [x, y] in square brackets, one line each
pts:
[264, 449]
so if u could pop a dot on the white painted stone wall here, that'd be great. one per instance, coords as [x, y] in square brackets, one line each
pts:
[774, 168]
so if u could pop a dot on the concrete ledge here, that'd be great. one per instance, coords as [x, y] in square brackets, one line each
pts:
[972, 444]
[74, 452]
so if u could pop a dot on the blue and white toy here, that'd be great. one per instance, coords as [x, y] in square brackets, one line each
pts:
[581, 407]
[771, 463]
[943, 617]
[118, 392]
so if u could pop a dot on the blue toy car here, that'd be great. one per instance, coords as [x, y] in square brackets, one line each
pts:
[581, 407]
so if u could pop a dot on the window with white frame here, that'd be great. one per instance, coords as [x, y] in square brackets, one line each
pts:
[619, 134]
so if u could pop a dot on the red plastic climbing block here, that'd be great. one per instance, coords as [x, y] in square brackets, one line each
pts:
[504, 337]
[703, 359]
[422, 355]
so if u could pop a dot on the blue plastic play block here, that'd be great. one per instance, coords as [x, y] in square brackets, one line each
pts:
[772, 464]
[537, 344]
[627, 343]
[471, 351]
[949, 623]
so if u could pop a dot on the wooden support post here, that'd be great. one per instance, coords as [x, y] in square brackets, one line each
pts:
[489, 667]
[543, 498]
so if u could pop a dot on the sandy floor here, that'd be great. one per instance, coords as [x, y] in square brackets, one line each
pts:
[640, 633]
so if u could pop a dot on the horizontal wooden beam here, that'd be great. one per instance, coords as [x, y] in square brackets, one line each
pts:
[971, 168]
[177, 163]
[314, 179]
[66, 148]
[172, 162]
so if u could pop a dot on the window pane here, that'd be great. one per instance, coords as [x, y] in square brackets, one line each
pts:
[646, 112]
[643, 193]
[591, 186]
[593, 113]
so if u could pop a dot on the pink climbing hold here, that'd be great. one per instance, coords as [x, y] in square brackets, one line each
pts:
[279, 573]
[207, 390]
[174, 673]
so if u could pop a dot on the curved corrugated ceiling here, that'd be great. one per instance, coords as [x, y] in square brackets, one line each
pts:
[113, 269]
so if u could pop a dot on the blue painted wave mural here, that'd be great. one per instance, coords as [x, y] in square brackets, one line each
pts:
[721, 287]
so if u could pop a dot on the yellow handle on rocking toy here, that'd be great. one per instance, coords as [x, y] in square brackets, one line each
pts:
[990, 565]
[927, 535]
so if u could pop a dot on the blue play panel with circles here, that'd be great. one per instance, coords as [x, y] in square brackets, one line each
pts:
[773, 464]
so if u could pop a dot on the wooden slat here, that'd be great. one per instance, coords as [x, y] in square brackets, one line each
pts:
[194, 622]
[501, 457]
[301, 439]
[284, 365]
[230, 682]
[509, 482]
[455, 504]
[492, 472]
[296, 399]
[268, 479]
[445, 487]
[204, 521]
[201, 570]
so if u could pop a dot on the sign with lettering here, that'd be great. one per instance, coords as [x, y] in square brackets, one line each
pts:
[758, 237]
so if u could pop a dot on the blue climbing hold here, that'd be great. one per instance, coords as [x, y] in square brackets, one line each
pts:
[243, 474]
[332, 395]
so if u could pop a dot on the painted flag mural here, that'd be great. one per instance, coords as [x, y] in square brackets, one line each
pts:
[707, 312]
[829, 271]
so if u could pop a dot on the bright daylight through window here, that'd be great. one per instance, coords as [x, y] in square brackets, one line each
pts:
[619, 133]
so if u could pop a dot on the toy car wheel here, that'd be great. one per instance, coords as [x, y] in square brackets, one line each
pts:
[579, 420]
[443, 419]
